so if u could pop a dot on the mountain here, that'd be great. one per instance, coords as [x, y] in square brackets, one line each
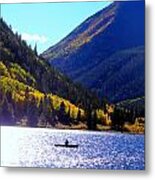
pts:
[138, 104]
[106, 52]
[46, 78]
[32, 93]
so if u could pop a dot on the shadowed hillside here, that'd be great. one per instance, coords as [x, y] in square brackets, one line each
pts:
[106, 52]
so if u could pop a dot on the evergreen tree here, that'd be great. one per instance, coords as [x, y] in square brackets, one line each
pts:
[40, 108]
[62, 112]
[47, 108]
[35, 49]
[7, 113]
[27, 107]
[32, 112]
[79, 116]
[104, 104]
[68, 116]
[91, 122]
[118, 118]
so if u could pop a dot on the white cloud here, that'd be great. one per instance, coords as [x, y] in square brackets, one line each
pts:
[14, 30]
[34, 38]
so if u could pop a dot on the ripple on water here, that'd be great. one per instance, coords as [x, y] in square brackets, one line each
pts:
[35, 148]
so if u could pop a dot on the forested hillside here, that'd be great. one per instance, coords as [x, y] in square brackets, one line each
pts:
[34, 94]
[22, 104]
[48, 79]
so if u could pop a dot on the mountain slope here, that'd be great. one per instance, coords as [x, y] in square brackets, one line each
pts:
[32, 93]
[21, 104]
[47, 79]
[92, 53]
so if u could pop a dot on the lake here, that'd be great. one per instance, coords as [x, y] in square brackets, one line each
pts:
[29, 147]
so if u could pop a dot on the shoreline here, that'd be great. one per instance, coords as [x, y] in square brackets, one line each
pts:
[76, 130]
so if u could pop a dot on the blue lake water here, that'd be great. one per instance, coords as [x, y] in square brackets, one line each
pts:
[28, 147]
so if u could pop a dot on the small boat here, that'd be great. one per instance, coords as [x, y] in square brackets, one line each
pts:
[67, 146]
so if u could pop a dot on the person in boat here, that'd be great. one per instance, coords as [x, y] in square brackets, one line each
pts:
[66, 142]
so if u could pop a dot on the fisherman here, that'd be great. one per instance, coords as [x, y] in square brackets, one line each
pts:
[66, 142]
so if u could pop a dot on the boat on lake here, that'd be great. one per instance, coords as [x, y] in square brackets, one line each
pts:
[67, 145]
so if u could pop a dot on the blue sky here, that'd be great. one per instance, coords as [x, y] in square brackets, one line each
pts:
[47, 23]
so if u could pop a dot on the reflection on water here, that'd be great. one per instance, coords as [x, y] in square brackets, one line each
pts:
[27, 147]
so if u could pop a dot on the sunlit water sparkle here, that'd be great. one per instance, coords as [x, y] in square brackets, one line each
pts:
[29, 147]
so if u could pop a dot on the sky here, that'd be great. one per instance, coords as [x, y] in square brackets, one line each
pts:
[45, 24]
